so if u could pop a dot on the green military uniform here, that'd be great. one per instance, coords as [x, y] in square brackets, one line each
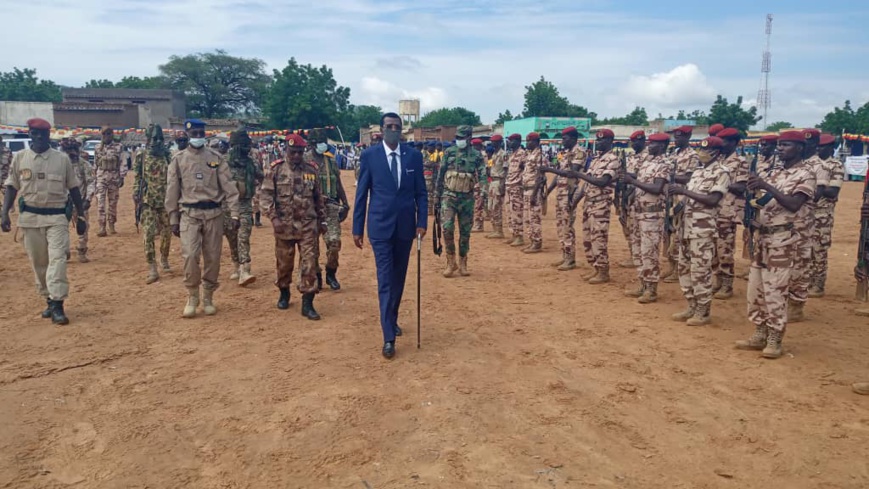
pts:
[460, 169]
[247, 175]
[149, 192]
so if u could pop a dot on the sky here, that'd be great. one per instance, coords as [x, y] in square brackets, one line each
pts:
[608, 56]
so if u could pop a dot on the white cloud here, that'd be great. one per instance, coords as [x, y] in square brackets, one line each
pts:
[375, 91]
[683, 86]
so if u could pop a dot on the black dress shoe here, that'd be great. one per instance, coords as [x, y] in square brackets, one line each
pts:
[46, 314]
[398, 331]
[389, 349]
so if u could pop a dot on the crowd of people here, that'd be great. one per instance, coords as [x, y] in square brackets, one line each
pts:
[672, 200]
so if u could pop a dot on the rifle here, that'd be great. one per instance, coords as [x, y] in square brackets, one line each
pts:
[621, 192]
[438, 231]
[669, 214]
[750, 210]
[863, 252]
[580, 193]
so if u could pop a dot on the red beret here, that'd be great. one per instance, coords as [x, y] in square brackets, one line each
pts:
[496, 138]
[660, 137]
[796, 136]
[827, 139]
[712, 142]
[714, 129]
[683, 130]
[296, 141]
[638, 135]
[769, 138]
[569, 130]
[728, 133]
[533, 135]
[476, 141]
[812, 133]
[515, 136]
[37, 123]
[605, 133]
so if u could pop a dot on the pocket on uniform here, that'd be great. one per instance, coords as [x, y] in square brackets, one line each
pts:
[183, 225]
[55, 183]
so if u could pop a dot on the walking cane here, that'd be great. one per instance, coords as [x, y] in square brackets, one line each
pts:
[418, 282]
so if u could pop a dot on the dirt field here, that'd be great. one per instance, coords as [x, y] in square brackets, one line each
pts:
[527, 377]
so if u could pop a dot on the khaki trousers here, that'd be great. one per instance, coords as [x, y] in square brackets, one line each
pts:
[201, 237]
[47, 247]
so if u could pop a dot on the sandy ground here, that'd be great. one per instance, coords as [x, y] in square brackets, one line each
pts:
[527, 377]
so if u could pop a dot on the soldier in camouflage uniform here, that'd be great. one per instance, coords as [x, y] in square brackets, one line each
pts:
[766, 154]
[462, 166]
[833, 176]
[497, 187]
[291, 199]
[336, 204]
[149, 191]
[790, 185]
[514, 189]
[697, 230]
[686, 161]
[481, 206]
[633, 163]
[87, 187]
[533, 183]
[649, 181]
[247, 175]
[5, 163]
[572, 158]
[730, 215]
[111, 171]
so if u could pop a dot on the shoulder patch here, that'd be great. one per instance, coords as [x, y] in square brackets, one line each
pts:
[213, 164]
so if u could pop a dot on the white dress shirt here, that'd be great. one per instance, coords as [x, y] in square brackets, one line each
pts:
[397, 152]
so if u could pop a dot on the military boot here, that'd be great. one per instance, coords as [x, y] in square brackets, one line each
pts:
[716, 283]
[284, 299]
[58, 317]
[319, 281]
[192, 303]
[308, 307]
[153, 276]
[102, 231]
[861, 388]
[757, 341]
[519, 241]
[164, 261]
[795, 312]
[451, 266]
[593, 274]
[257, 222]
[559, 262]
[208, 302]
[463, 266]
[331, 280]
[863, 312]
[687, 313]
[112, 228]
[536, 247]
[83, 255]
[638, 292]
[234, 274]
[602, 277]
[629, 263]
[816, 291]
[650, 294]
[673, 276]
[701, 315]
[245, 278]
[773, 348]
[478, 228]
[569, 264]
[726, 290]
[497, 233]
[46, 314]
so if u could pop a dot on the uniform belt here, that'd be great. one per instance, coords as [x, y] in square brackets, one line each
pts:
[43, 211]
[202, 205]
[780, 228]
[652, 208]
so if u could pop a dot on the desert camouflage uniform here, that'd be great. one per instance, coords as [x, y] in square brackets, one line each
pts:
[111, 170]
[804, 229]
[514, 191]
[292, 193]
[764, 164]
[5, 163]
[650, 218]
[775, 248]
[686, 161]
[459, 206]
[631, 229]
[822, 239]
[497, 173]
[698, 232]
[257, 158]
[154, 218]
[481, 200]
[596, 208]
[532, 206]
[87, 187]
[732, 208]
[565, 215]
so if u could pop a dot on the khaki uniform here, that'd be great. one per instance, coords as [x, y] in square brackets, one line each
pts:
[833, 176]
[732, 208]
[292, 193]
[650, 218]
[565, 214]
[5, 163]
[43, 181]
[804, 228]
[687, 161]
[776, 242]
[514, 191]
[87, 187]
[198, 183]
[698, 232]
[596, 209]
[633, 163]
[111, 167]
[532, 211]
[497, 174]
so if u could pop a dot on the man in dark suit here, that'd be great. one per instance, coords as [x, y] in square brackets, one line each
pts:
[392, 187]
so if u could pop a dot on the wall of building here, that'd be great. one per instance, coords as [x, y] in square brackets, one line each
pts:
[117, 116]
[17, 113]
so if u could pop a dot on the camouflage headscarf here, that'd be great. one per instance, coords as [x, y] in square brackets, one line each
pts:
[239, 148]
[156, 144]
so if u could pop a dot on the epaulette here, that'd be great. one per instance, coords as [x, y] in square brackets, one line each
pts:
[329, 154]
[276, 163]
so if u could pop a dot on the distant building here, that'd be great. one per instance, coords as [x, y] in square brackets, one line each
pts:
[549, 128]
[150, 106]
[218, 125]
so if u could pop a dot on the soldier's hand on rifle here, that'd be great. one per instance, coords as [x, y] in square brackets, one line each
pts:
[5, 223]
[234, 223]
[176, 230]
[675, 190]
[278, 225]
[756, 183]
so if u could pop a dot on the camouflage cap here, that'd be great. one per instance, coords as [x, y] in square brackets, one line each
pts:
[464, 131]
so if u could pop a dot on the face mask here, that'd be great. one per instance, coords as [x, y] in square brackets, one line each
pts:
[461, 143]
[322, 147]
[391, 137]
[705, 156]
[197, 142]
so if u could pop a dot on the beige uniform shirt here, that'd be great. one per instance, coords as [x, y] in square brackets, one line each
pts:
[732, 207]
[699, 221]
[199, 175]
[603, 164]
[498, 170]
[514, 171]
[42, 180]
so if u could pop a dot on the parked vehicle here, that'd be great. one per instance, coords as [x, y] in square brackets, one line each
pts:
[90, 147]
[16, 145]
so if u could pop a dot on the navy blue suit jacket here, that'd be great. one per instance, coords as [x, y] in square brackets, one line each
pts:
[392, 213]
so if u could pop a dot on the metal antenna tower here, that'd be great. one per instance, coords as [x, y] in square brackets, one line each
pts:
[763, 97]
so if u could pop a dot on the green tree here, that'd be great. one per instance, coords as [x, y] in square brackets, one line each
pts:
[99, 84]
[454, 116]
[636, 117]
[840, 119]
[217, 84]
[25, 86]
[542, 99]
[304, 96]
[732, 115]
[504, 117]
[148, 82]
[779, 125]
[357, 117]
